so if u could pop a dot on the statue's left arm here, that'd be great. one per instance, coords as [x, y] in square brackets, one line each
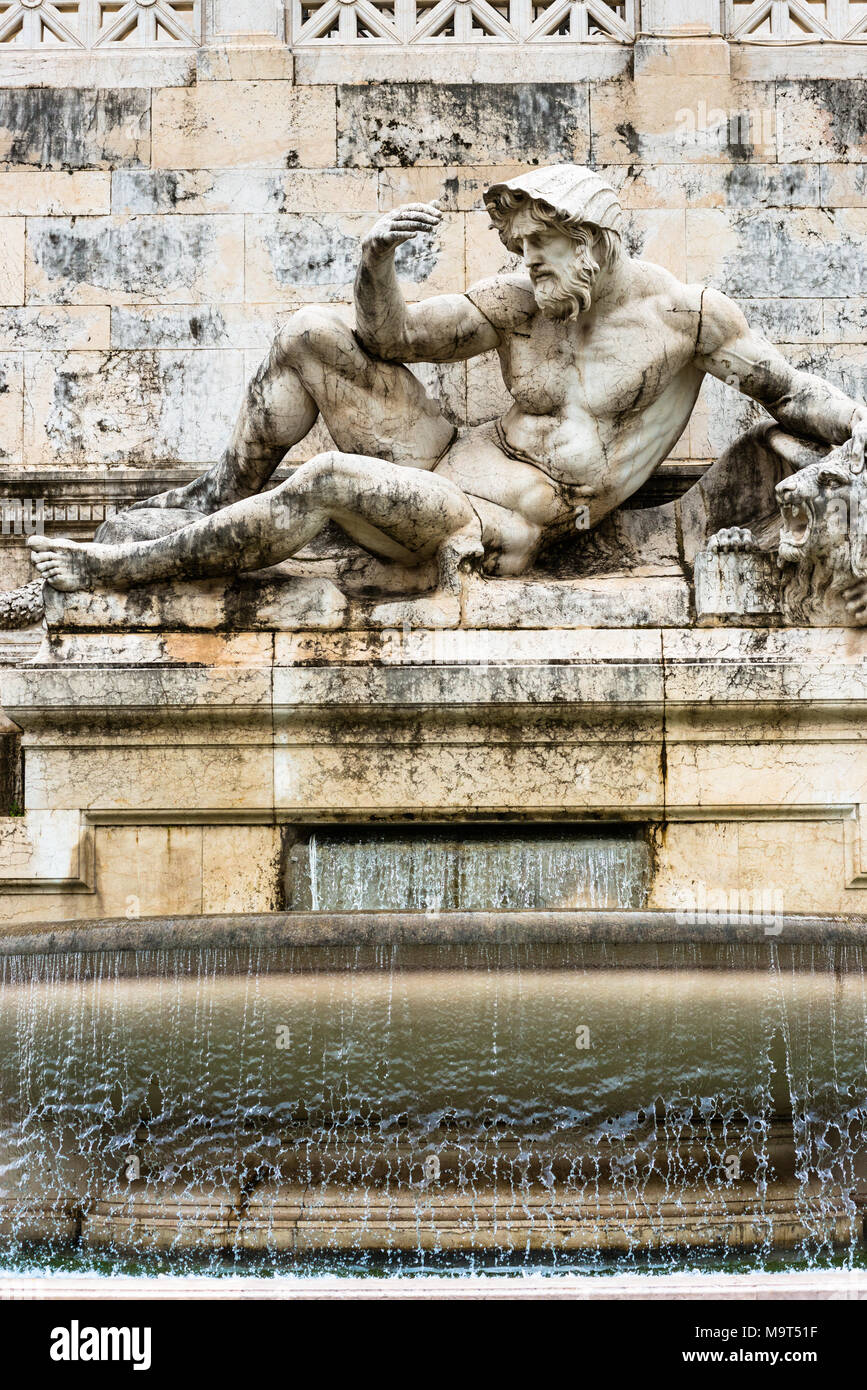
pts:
[802, 403]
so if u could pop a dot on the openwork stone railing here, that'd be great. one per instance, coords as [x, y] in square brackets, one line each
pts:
[145, 24]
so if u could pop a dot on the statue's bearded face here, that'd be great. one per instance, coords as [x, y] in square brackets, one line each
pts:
[561, 263]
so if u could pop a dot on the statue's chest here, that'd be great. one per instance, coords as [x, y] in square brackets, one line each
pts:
[604, 369]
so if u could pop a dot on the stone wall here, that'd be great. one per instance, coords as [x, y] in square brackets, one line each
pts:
[165, 208]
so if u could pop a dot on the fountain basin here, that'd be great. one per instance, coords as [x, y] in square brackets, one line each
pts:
[486, 1095]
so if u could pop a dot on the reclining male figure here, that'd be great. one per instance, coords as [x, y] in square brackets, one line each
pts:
[603, 356]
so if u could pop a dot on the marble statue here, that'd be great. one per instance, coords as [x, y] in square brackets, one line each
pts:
[823, 542]
[603, 355]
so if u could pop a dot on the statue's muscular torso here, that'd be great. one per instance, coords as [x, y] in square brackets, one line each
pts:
[599, 401]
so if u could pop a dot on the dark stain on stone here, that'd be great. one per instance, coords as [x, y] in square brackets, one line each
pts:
[73, 128]
[406, 123]
[307, 250]
[141, 255]
[630, 137]
[845, 100]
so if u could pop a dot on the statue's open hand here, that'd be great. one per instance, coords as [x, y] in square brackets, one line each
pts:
[400, 225]
[733, 538]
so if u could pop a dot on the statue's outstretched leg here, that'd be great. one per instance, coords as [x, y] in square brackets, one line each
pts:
[399, 513]
[316, 365]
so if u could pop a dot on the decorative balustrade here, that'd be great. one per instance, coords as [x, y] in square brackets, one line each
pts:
[111, 24]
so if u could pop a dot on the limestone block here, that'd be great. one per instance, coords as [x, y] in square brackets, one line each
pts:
[824, 122]
[720, 185]
[315, 258]
[778, 252]
[755, 773]
[803, 862]
[256, 604]
[541, 778]
[720, 415]
[844, 320]
[694, 861]
[736, 585]
[658, 236]
[122, 260]
[843, 185]
[843, 364]
[645, 600]
[50, 327]
[176, 777]
[243, 190]
[673, 57]
[74, 128]
[42, 847]
[12, 261]
[412, 123]
[243, 124]
[731, 666]
[248, 327]
[484, 63]
[791, 320]
[459, 188]
[244, 62]
[241, 868]
[49, 193]
[11, 408]
[97, 69]
[485, 253]
[671, 120]
[140, 869]
[133, 408]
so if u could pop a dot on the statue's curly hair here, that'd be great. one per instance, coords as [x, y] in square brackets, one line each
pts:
[508, 201]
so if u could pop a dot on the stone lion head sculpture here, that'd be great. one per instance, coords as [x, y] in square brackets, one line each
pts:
[823, 537]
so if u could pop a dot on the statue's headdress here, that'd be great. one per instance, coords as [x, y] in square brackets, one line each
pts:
[571, 193]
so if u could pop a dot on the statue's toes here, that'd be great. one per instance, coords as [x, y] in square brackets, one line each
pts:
[733, 538]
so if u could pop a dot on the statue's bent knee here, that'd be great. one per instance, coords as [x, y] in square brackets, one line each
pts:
[310, 333]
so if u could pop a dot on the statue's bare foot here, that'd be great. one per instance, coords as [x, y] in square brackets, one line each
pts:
[67, 565]
[733, 538]
[456, 556]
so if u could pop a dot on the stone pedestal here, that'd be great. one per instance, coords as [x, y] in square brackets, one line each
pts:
[165, 767]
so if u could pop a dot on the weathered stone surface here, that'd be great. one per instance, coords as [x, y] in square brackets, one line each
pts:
[50, 193]
[243, 124]
[315, 258]
[632, 601]
[797, 253]
[46, 128]
[12, 261]
[211, 605]
[824, 122]
[50, 327]
[130, 408]
[747, 186]
[11, 407]
[736, 586]
[665, 120]
[117, 260]
[842, 185]
[240, 62]
[788, 320]
[243, 190]
[425, 123]
[97, 69]
[246, 326]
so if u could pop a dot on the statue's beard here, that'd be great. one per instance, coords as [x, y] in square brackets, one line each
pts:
[566, 294]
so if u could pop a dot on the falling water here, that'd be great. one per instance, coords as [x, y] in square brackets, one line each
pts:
[580, 1106]
[474, 869]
